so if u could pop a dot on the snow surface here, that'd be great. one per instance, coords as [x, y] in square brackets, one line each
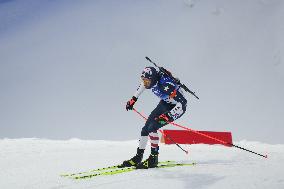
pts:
[37, 163]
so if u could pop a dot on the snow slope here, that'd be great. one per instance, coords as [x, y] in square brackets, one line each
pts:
[37, 163]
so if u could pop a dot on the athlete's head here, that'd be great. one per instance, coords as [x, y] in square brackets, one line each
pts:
[149, 77]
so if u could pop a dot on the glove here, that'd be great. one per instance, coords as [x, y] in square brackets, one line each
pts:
[130, 103]
[164, 119]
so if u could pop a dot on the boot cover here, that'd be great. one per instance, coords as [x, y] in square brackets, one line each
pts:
[151, 162]
[134, 161]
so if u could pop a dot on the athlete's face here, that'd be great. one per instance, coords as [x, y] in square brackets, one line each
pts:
[147, 82]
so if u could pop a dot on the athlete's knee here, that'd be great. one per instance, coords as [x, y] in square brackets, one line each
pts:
[153, 127]
[144, 131]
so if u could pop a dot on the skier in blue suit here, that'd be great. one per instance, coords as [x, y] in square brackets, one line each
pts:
[171, 107]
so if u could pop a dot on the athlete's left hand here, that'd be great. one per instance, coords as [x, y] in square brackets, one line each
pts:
[164, 119]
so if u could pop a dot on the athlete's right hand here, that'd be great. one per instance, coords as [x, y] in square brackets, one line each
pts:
[130, 103]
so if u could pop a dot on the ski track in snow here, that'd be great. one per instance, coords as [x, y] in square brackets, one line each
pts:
[38, 163]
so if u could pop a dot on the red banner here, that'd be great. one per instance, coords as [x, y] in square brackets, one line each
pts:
[189, 137]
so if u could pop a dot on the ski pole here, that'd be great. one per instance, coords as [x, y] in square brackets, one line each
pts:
[163, 70]
[162, 132]
[224, 142]
[173, 141]
[213, 138]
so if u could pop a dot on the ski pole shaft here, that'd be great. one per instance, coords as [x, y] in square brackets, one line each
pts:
[216, 139]
[213, 138]
[265, 156]
[167, 136]
[162, 132]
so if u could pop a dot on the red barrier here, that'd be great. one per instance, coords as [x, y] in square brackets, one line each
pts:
[188, 137]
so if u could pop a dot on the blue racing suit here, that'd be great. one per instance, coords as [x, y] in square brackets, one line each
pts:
[172, 102]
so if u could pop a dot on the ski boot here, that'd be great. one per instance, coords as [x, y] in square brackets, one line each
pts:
[151, 162]
[135, 160]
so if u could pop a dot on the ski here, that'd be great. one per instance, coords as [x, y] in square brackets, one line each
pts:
[93, 170]
[110, 168]
[128, 169]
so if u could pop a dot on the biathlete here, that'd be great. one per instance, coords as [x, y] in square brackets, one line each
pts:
[171, 107]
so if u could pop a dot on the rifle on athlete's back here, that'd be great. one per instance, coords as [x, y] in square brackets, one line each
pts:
[169, 74]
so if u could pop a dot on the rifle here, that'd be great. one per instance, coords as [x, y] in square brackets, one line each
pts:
[166, 72]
